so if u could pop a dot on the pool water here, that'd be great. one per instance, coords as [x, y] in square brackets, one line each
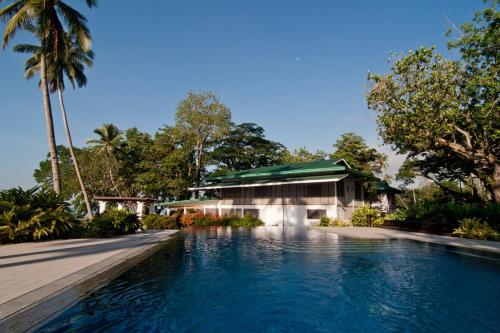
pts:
[271, 279]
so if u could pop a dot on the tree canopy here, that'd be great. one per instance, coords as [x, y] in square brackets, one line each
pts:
[444, 113]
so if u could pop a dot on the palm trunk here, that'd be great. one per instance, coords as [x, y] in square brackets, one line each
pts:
[73, 155]
[56, 182]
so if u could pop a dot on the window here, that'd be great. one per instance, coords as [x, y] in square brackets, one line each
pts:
[263, 191]
[313, 190]
[358, 188]
[340, 188]
[315, 214]
[253, 212]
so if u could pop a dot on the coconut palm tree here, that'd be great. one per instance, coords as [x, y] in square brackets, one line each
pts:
[110, 142]
[70, 63]
[49, 15]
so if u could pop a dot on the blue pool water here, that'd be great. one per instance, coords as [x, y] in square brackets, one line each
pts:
[292, 280]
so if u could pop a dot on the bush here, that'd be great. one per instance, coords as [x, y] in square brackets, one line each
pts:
[199, 219]
[365, 216]
[33, 214]
[113, 222]
[475, 228]
[330, 222]
[156, 222]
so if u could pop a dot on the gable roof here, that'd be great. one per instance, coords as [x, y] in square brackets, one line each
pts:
[302, 169]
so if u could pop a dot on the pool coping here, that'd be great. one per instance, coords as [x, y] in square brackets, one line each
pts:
[29, 311]
[381, 233]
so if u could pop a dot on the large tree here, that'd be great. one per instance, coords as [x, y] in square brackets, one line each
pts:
[246, 147]
[302, 155]
[354, 150]
[443, 111]
[51, 16]
[202, 120]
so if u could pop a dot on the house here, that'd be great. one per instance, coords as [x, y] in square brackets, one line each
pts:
[296, 194]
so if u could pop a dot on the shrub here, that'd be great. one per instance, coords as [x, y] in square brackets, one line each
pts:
[199, 219]
[154, 221]
[475, 228]
[33, 214]
[113, 222]
[330, 222]
[365, 215]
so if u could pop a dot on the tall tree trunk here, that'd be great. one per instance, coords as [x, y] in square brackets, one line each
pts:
[73, 155]
[56, 182]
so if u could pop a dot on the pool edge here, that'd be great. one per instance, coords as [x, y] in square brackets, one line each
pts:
[28, 312]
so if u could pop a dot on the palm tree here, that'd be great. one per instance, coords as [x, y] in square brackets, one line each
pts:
[71, 62]
[47, 14]
[110, 143]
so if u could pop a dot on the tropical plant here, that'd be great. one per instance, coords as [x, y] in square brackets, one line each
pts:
[113, 222]
[475, 228]
[50, 16]
[366, 216]
[33, 214]
[155, 222]
[70, 62]
[326, 221]
[110, 142]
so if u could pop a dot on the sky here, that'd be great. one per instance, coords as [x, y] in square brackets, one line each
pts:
[296, 68]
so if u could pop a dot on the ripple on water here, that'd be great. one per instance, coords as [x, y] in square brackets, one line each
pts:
[270, 280]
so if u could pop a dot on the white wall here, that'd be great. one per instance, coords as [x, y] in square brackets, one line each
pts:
[293, 215]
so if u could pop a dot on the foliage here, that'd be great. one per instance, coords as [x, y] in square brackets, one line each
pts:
[366, 216]
[303, 155]
[444, 114]
[198, 219]
[113, 222]
[331, 222]
[354, 150]
[435, 211]
[246, 147]
[201, 121]
[33, 214]
[155, 222]
[475, 228]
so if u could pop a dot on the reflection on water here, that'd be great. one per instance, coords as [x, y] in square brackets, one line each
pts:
[272, 279]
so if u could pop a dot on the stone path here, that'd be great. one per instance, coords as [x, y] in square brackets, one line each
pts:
[379, 233]
[40, 279]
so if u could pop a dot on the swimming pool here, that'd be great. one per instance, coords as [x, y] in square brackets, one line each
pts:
[271, 279]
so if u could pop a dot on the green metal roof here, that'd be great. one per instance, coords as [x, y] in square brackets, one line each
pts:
[272, 181]
[283, 170]
[384, 186]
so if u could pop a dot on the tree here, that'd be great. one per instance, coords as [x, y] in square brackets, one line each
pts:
[70, 61]
[246, 147]
[354, 150]
[47, 15]
[439, 110]
[302, 155]
[202, 120]
[110, 144]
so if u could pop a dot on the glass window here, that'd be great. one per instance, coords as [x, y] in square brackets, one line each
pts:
[315, 214]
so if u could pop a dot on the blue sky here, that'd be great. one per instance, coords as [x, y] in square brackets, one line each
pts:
[297, 68]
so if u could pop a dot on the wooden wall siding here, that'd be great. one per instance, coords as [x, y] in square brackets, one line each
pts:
[290, 194]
